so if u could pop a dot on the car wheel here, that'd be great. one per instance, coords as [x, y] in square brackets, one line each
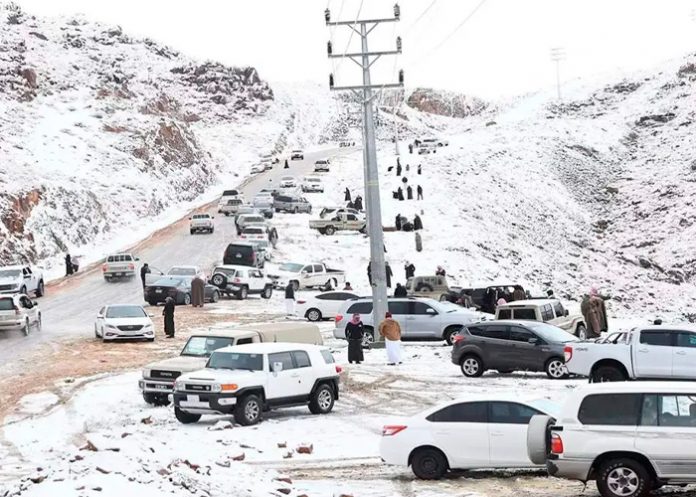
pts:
[295, 210]
[40, 289]
[581, 332]
[26, 329]
[607, 373]
[429, 464]
[243, 293]
[156, 399]
[38, 323]
[152, 303]
[219, 280]
[368, 339]
[556, 369]
[424, 287]
[539, 438]
[187, 299]
[215, 297]
[471, 366]
[314, 314]
[449, 333]
[186, 417]
[23, 290]
[267, 292]
[623, 478]
[192, 231]
[248, 411]
[329, 230]
[322, 400]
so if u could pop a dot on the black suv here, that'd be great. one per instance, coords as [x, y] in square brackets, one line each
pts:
[243, 254]
[509, 346]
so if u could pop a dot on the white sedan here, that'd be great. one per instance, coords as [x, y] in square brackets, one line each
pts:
[324, 305]
[123, 322]
[191, 271]
[473, 433]
[288, 182]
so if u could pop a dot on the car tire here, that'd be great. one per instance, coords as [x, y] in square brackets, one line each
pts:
[322, 399]
[40, 289]
[26, 329]
[295, 210]
[606, 374]
[192, 231]
[186, 417]
[329, 230]
[471, 366]
[449, 333]
[555, 368]
[243, 293]
[219, 280]
[313, 314]
[187, 299]
[39, 323]
[248, 410]
[152, 303]
[267, 292]
[215, 297]
[539, 438]
[581, 332]
[155, 399]
[424, 287]
[96, 333]
[429, 464]
[368, 338]
[23, 290]
[624, 477]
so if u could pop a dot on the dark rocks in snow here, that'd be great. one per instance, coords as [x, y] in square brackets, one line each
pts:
[688, 70]
[222, 81]
[445, 103]
[623, 87]
[38, 35]
[655, 119]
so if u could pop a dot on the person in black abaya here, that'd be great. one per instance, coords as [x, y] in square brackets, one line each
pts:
[168, 313]
[354, 334]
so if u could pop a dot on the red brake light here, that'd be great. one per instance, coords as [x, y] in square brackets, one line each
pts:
[339, 318]
[237, 280]
[104, 266]
[567, 353]
[457, 338]
[301, 301]
[556, 444]
[339, 369]
[391, 430]
[131, 267]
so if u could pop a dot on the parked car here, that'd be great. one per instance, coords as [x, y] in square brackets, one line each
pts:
[291, 203]
[244, 254]
[651, 352]
[189, 271]
[549, 311]
[19, 312]
[244, 220]
[311, 275]
[431, 142]
[322, 166]
[263, 203]
[419, 318]
[123, 322]
[312, 184]
[231, 206]
[478, 292]
[179, 288]
[630, 437]
[119, 266]
[323, 305]
[511, 346]
[297, 155]
[337, 211]
[246, 380]
[228, 195]
[258, 168]
[340, 222]
[255, 233]
[241, 281]
[201, 222]
[434, 287]
[288, 182]
[476, 432]
[158, 377]
[23, 279]
[426, 150]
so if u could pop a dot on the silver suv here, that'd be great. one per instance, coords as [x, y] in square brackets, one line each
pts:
[419, 318]
[290, 203]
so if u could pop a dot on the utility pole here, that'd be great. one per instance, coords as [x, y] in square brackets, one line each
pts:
[364, 58]
[557, 55]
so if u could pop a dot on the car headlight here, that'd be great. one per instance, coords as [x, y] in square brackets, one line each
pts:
[216, 388]
[179, 385]
[147, 373]
[147, 326]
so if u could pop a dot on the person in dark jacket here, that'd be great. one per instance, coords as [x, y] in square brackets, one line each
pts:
[287, 166]
[145, 270]
[358, 204]
[410, 148]
[417, 223]
[290, 299]
[350, 205]
[408, 167]
[68, 265]
[398, 170]
[168, 313]
[347, 195]
[440, 271]
[354, 334]
[419, 168]
[398, 161]
[410, 270]
[387, 269]
[489, 300]
[409, 192]
[400, 291]
[400, 193]
[419, 191]
[397, 222]
[518, 293]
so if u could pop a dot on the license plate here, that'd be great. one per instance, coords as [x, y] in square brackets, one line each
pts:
[161, 387]
[193, 398]
[159, 290]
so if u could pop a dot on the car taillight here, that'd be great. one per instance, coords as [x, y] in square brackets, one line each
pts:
[131, 267]
[301, 301]
[339, 318]
[237, 280]
[391, 430]
[16, 309]
[568, 353]
[104, 267]
[556, 444]
[339, 369]
[457, 338]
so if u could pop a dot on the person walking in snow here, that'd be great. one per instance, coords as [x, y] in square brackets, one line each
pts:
[408, 167]
[400, 291]
[440, 271]
[419, 242]
[347, 195]
[419, 190]
[419, 168]
[358, 204]
[410, 148]
[290, 299]
[409, 193]
[410, 270]
[398, 162]
[168, 313]
[400, 193]
[354, 334]
[397, 222]
[144, 271]
[391, 331]
[417, 223]
[398, 170]
[197, 291]
[287, 166]
[68, 265]
[388, 271]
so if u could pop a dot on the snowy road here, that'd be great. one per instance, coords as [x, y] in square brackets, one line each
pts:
[70, 305]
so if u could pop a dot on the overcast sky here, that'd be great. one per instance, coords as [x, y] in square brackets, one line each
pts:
[501, 50]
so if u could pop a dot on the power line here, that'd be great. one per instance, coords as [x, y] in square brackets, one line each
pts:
[459, 26]
[421, 16]
[350, 37]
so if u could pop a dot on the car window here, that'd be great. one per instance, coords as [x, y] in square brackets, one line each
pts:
[490, 331]
[465, 412]
[26, 303]
[686, 339]
[547, 312]
[505, 314]
[351, 217]
[677, 410]
[398, 308]
[657, 338]
[518, 334]
[283, 357]
[558, 309]
[244, 341]
[318, 268]
[360, 308]
[510, 413]
[308, 269]
[324, 297]
[620, 409]
[422, 308]
[6, 304]
[328, 356]
[524, 314]
[301, 359]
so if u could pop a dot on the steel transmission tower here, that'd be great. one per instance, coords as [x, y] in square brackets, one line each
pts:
[364, 58]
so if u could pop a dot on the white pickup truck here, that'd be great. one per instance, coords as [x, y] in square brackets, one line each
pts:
[21, 279]
[311, 275]
[652, 352]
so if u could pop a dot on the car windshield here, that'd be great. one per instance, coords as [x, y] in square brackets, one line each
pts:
[235, 360]
[253, 231]
[253, 219]
[10, 273]
[314, 180]
[291, 267]
[204, 346]
[229, 193]
[125, 311]
[169, 282]
[182, 271]
[6, 305]
[551, 333]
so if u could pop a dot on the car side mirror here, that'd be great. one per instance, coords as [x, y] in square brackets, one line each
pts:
[567, 313]
[533, 341]
[431, 312]
[27, 276]
[137, 258]
[150, 315]
[277, 367]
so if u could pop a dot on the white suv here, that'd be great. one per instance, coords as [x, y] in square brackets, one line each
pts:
[246, 380]
[630, 437]
[241, 281]
[19, 312]
[201, 222]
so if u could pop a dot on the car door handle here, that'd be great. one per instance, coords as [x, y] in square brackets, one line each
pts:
[497, 434]
[643, 351]
[681, 352]
[296, 375]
